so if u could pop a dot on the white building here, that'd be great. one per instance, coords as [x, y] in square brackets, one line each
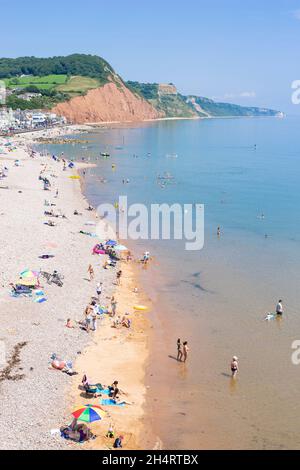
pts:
[7, 118]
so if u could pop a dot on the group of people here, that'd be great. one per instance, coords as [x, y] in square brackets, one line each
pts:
[119, 322]
[234, 365]
[182, 350]
[91, 315]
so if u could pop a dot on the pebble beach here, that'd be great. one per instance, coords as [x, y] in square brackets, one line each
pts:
[37, 399]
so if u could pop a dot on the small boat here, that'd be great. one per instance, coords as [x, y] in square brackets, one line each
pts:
[165, 176]
[172, 155]
[105, 154]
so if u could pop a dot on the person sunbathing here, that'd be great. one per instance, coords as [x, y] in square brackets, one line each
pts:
[19, 289]
[50, 213]
[91, 389]
[126, 322]
[118, 401]
[50, 223]
[118, 322]
[85, 381]
[113, 387]
[114, 393]
[69, 323]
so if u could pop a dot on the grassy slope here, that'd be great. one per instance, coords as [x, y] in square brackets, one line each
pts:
[43, 83]
[78, 84]
[61, 88]
[177, 105]
[59, 79]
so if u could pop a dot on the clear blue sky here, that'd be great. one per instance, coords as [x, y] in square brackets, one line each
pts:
[240, 51]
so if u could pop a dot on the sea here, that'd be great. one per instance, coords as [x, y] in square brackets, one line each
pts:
[246, 173]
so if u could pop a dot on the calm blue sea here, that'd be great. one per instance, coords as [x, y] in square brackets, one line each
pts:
[216, 298]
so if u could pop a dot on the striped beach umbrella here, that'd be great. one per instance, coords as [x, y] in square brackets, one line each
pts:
[89, 413]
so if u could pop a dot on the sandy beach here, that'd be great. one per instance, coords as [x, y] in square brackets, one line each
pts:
[36, 399]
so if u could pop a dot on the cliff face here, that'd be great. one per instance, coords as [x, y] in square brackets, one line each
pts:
[108, 103]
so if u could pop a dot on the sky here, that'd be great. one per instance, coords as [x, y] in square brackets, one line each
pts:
[244, 52]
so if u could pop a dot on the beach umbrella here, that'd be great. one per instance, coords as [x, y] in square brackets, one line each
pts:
[89, 413]
[121, 248]
[111, 243]
[28, 274]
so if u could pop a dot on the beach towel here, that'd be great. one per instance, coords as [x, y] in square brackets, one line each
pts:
[88, 233]
[110, 402]
[17, 296]
[40, 300]
[39, 292]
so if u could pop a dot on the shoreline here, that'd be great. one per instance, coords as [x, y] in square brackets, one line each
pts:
[88, 126]
[86, 352]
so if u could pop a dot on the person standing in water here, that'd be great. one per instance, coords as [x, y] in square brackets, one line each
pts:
[218, 232]
[179, 350]
[234, 366]
[279, 308]
[185, 351]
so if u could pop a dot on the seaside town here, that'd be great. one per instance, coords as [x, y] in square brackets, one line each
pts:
[12, 121]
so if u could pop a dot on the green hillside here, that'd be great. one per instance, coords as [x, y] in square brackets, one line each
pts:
[41, 82]
[177, 105]
[172, 105]
[215, 109]
[75, 64]
[57, 79]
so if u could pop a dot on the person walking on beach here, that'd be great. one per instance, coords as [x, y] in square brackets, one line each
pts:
[113, 306]
[94, 320]
[88, 318]
[185, 351]
[99, 289]
[234, 366]
[279, 308]
[91, 272]
[119, 274]
[146, 257]
[179, 350]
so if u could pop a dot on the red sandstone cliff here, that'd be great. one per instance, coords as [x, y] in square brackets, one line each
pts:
[108, 103]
